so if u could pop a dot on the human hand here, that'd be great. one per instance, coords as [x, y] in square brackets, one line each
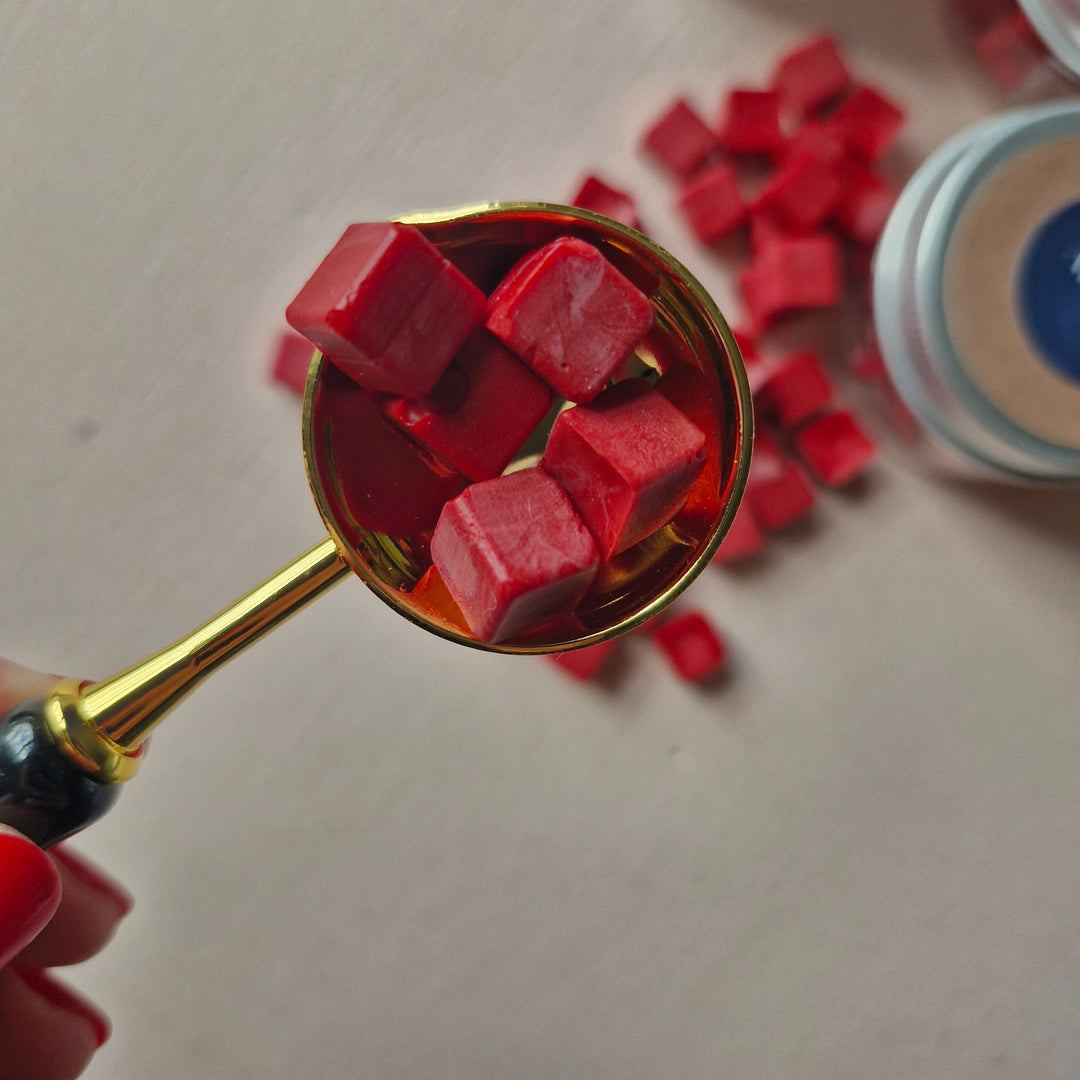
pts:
[55, 909]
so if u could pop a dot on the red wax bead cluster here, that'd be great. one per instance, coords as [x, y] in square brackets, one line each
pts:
[818, 135]
[445, 385]
[794, 168]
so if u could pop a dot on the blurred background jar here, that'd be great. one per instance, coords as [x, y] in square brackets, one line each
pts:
[976, 298]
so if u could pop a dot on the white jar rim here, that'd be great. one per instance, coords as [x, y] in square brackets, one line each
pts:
[909, 302]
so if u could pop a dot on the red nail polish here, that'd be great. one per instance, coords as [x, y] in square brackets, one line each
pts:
[60, 997]
[87, 873]
[29, 892]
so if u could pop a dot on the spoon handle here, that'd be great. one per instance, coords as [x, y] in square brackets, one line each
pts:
[62, 756]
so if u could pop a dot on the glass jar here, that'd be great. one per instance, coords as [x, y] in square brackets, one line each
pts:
[976, 297]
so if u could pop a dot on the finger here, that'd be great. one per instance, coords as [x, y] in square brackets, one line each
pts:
[47, 1032]
[91, 906]
[29, 892]
[19, 684]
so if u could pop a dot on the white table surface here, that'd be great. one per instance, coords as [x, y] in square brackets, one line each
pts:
[361, 851]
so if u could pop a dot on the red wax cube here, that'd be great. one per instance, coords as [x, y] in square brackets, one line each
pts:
[1010, 49]
[388, 483]
[597, 196]
[867, 123]
[387, 308]
[292, 359]
[742, 539]
[484, 407]
[865, 204]
[570, 315]
[712, 203]
[692, 645]
[776, 491]
[751, 122]
[627, 461]
[584, 664]
[836, 448]
[513, 554]
[429, 337]
[795, 389]
[791, 273]
[680, 139]
[804, 191]
[818, 141]
[811, 75]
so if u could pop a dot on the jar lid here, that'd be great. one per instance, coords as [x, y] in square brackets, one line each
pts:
[997, 281]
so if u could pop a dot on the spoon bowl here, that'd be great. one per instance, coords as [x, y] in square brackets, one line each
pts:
[690, 351]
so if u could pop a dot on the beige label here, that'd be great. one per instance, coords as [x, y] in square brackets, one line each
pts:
[981, 262]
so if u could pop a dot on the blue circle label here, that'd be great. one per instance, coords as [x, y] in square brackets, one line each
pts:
[1049, 288]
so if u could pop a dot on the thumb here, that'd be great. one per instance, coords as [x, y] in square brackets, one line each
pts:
[29, 892]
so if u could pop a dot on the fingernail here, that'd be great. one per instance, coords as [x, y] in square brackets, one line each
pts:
[29, 892]
[60, 997]
[93, 878]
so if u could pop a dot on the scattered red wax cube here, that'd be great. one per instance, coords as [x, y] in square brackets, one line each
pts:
[597, 196]
[387, 308]
[795, 389]
[292, 359]
[1010, 49]
[812, 75]
[712, 203]
[627, 461]
[484, 407]
[836, 448]
[818, 141]
[388, 483]
[777, 493]
[865, 204]
[742, 539]
[751, 122]
[790, 273]
[691, 644]
[570, 315]
[513, 554]
[867, 123]
[680, 139]
[584, 664]
[804, 191]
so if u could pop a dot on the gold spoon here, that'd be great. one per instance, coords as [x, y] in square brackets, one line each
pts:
[62, 757]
